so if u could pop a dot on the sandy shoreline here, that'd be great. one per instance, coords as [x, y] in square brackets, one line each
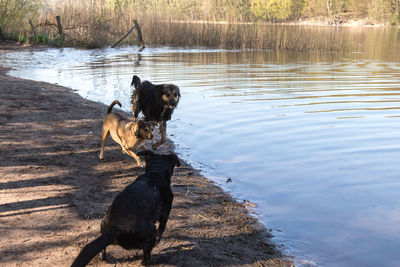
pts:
[55, 190]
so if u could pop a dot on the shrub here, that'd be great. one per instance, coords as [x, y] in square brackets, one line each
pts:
[378, 10]
[41, 38]
[395, 20]
[14, 14]
[22, 38]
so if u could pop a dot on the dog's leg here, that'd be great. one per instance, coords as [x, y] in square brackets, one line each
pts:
[164, 219]
[163, 133]
[133, 155]
[148, 247]
[135, 109]
[104, 136]
[161, 229]
[103, 255]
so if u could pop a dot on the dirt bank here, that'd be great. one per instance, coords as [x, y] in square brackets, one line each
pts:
[54, 190]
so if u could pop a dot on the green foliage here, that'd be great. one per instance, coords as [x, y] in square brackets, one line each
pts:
[56, 42]
[395, 10]
[259, 9]
[298, 8]
[280, 9]
[375, 10]
[22, 38]
[277, 9]
[314, 8]
[328, 7]
[233, 10]
[379, 10]
[270, 9]
[395, 20]
[14, 14]
[41, 38]
[45, 39]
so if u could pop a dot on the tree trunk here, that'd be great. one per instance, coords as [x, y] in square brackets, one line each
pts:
[60, 29]
[32, 28]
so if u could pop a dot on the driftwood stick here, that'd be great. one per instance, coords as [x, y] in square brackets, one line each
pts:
[139, 32]
[60, 29]
[123, 37]
[140, 37]
[32, 28]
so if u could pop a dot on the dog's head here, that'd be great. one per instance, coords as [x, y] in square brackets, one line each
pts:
[157, 160]
[143, 129]
[170, 95]
[136, 81]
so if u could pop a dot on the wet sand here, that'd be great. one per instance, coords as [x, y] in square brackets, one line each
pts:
[54, 190]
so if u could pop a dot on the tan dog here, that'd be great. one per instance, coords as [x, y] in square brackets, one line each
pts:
[130, 135]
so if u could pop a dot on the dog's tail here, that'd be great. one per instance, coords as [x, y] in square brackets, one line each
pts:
[95, 247]
[110, 107]
[136, 81]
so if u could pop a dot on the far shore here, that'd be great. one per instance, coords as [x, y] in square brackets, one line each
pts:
[314, 22]
[221, 34]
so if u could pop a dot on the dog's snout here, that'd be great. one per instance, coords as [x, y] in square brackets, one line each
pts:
[172, 103]
[150, 136]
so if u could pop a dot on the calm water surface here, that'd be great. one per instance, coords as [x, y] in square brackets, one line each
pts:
[312, 138]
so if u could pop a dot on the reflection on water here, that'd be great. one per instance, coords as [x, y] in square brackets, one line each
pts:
[312, 138]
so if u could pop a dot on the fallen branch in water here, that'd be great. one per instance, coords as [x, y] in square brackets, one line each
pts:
[136, 26]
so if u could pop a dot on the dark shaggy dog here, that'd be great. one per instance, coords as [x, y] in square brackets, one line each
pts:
[157, 103]
[130, 220]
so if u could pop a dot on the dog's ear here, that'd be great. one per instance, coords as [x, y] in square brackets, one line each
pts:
[146, 154]
[174, 159]
[135, 129]
[136, 81]
[177, 91]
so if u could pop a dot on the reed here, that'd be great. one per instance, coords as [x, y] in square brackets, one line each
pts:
[244, 35]
[207, 23]
[96, 24]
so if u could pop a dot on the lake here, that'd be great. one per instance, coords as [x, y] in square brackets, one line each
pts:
[312, 138]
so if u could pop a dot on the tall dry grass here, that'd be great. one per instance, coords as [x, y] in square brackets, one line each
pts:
[191, 23]
[245, 35]
[99, 23]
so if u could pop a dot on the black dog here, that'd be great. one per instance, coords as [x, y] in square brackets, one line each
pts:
[157, 103]
[130, 220]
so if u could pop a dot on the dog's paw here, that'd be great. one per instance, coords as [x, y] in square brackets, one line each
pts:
[140, 164]
[145, 262]
[103, 256]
